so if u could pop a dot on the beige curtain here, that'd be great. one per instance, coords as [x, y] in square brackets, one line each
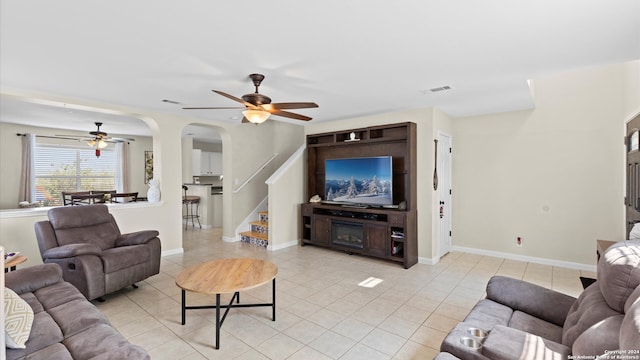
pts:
[27, 173]
[122, 167]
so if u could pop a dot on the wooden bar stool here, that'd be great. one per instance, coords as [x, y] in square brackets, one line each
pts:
[190, 202]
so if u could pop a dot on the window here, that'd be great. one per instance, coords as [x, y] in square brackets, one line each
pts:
[71, 168]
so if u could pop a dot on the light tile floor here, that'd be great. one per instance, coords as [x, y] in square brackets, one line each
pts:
[322, 312]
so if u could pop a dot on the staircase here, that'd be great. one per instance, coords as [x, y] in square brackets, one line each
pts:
[259, 234]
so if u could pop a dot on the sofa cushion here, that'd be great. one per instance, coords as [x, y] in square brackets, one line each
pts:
[57, 294]
[76, 316]
[630, 327]
[84, 224]
[619, 273]
[123, 257]
[18, 319]
[601, 337]
[487, 313]
[33, 302]
[533, 325]
[102, 342]
[535, 300]
[590, 308]
[633, 298]
[55, 351]
[44, 333]
[102, 235]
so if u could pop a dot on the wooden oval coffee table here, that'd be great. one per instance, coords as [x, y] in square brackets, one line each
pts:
[227, 276]
[11, 264]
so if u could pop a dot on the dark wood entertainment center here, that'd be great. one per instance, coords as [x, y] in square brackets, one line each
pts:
[388, 232]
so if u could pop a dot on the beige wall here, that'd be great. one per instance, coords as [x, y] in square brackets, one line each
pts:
[553, 175]
[286, 193]
[10, 159]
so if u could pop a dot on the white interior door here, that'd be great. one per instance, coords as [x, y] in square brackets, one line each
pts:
[444, 193]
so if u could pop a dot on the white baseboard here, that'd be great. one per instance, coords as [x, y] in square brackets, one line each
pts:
[427, 261]
[231, 239]
[171, 252]
[203, 226]
[282, 246]
[532, 259]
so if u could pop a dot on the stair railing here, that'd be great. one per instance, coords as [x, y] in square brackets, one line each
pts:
[255, 173]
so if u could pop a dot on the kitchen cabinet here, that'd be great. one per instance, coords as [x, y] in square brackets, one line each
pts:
[206, 163]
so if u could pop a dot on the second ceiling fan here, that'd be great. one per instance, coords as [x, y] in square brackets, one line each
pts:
[258, 107]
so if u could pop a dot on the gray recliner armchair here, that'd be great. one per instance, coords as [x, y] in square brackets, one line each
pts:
[94, 256]
[521, 320]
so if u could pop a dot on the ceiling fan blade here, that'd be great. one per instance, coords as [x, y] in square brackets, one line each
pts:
[211, 108]
[290, 115]
[290, 105]
[72, 136]
[245, 103]
[119, 139]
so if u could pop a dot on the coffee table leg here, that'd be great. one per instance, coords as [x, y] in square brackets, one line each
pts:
[184, 310]
[273, 299]
[217, 321]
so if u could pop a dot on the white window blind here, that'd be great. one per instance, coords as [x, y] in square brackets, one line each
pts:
[71, 168]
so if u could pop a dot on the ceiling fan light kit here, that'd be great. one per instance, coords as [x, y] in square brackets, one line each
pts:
[99, 139]
[258, 107]
[256, 116]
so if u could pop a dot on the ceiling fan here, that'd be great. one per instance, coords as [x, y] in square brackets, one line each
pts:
[98, 138]
[258, 107]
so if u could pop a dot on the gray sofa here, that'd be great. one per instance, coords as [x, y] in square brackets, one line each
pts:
[94, 256]
[65, 324]
[521, 320]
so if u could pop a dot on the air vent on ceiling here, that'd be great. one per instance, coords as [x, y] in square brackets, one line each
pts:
[441, 88]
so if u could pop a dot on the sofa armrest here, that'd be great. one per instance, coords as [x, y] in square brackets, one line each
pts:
[136, 238]
[505, 343]
[532, 299]
[32, 278]
[71, 250]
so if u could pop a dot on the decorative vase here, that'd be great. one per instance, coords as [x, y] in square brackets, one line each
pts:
[153, 194]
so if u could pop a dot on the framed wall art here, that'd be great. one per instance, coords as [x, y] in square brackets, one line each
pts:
[148, 166]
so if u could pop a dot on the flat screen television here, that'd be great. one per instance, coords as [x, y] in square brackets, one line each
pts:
[361, 181]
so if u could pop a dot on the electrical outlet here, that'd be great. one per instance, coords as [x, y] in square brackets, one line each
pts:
[518, 241]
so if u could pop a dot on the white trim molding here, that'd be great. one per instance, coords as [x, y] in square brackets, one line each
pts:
[283, 246]
[172, 252]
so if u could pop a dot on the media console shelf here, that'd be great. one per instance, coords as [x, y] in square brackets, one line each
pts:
[385, 233]
[382, 233]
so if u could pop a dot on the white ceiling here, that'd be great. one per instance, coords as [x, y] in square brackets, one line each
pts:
[353, 58]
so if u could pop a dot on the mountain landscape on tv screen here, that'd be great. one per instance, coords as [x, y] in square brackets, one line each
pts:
[372, 191]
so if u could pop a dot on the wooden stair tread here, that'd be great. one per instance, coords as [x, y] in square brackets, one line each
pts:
[255, 235]
[261, 223]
